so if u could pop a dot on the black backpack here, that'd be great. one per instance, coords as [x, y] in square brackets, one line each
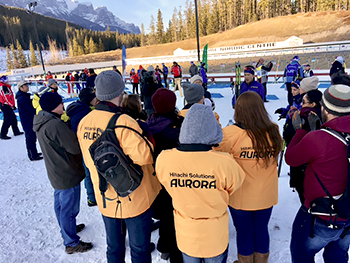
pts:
[112, 165]
[334, 206]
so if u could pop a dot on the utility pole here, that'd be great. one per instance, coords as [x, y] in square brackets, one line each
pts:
[197, 29]
[30, 10]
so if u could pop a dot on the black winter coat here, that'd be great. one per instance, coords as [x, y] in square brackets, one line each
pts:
[336, 67]
[61, 151]
[26, 110]
[149, 88]
[76, 111]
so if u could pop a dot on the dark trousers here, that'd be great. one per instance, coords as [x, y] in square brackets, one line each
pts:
[303, 247]
[9, 120]
[290, 95]
[164, 211]
[139, 230]
[31, 144]
[252, 231]
[165, 80]
[265, 88]
[135, 88]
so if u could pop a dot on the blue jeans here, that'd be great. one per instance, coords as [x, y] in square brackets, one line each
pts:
[222, 258]
[139, 229]
[252, 231]
[88, 185]
[67, 203]
[303, 247]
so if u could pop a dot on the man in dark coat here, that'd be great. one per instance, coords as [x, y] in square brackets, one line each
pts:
[337, 66]
[90, 82]
[150, 86]
[76, 111]
[64, 165]
[193, 69]
[26, 113]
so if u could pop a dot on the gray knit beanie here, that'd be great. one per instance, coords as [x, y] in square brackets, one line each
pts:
[150, 69]
[109, 85]
[310, 83]
[193, 93]
[200, 127]
[336, 100]
[196, 77]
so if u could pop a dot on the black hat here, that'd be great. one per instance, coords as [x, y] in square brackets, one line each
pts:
[87, 95]
[49, 101]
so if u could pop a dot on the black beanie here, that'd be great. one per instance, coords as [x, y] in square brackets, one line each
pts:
[315, 96]
[49, 101]
[87, 95]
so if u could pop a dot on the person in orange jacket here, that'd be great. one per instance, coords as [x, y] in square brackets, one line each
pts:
[120, 213]
[255, 143]
[200, 182]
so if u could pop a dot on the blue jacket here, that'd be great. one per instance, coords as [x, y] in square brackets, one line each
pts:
[76, 111]
[204, 75]
[165, 70]
[253, 86]
[293, 71]
[26, 110]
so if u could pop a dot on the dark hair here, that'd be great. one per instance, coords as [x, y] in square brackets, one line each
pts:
[340, 78]
[314, 96]
[91, 70]
[132, 102]
[252, 115]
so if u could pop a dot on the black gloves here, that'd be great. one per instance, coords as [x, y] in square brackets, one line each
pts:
[279, 111]
[314, 121]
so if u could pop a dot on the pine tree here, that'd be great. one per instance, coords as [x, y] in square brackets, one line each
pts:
[101, 47]
[33, 58]
[143, 36]
[160, 27]
[92, 46]
[14, 56]
[86, 46]
[21, 56]
[152, 35]
[9, 61]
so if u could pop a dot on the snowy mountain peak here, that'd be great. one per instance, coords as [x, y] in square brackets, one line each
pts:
[80, 13]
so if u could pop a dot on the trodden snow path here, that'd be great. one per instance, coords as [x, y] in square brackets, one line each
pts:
[29, 229]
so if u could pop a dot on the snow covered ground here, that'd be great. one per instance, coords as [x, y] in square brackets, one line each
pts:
[29, 230]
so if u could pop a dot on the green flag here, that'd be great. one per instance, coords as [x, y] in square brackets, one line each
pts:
[205, 56]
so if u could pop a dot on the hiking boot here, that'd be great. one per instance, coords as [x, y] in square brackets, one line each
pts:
[80, 227]
[19, 133]
[38, 158]
[91, 203]
[165, 256]
[5, 137]
[80, 248]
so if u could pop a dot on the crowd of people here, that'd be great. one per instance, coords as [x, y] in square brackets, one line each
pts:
[196, 173]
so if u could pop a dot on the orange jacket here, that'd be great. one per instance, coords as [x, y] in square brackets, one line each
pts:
[260, 187]
[200, 184]
[132, 145]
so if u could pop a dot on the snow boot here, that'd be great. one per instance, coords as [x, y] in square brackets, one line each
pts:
[261, 258]
[245, 259]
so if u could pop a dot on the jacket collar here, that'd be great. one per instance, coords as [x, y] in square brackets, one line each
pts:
[194, 147]
[108, 106]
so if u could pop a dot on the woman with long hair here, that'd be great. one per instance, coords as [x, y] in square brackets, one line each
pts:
[255, 143]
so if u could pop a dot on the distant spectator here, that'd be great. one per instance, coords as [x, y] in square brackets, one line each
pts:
[83, 78]
[116, 70]
[135, 82]
[7, 106]
[193, 69]
[26, 113]
[70, 83]
[308, 71]
[337, 66]
[203, 73]
[262, 73]
[150, 86]
[77, 81]
[292, 73]
[90, 82]
[177, 72]
[48, 76]
[165, 75]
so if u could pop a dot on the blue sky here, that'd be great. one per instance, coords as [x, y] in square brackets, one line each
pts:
[140, 11]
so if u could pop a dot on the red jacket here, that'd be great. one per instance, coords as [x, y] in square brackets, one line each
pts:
[135, 78]
[176, 71]
[324, 155]
[6, 95]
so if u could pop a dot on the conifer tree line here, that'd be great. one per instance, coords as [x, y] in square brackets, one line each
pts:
[219, 15]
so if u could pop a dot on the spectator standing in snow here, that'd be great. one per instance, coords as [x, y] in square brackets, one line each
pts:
[76, 112]
[262, 72]
[7, 106]
[326, 157]
[255, 143]
[151, 84]
[203, 73]
[193, 69]
[130, 213]
[177, 72]
[64, 165]
[200, 182]
[90, 81]
[165, 75]
[308, 71]
[83, 77]
[292, 73]
[164, 124]
[77, 81]
[26, 113]
[337, 66]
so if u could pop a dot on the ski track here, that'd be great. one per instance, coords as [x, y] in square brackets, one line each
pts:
[29, 228]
